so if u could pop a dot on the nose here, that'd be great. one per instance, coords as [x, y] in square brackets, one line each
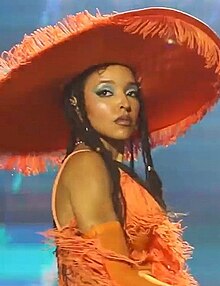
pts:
[124, 102]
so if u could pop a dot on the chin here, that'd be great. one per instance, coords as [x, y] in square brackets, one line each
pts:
[121, 136]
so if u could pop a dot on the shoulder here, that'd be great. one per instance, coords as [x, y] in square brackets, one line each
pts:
[84, 165]
[85, 174]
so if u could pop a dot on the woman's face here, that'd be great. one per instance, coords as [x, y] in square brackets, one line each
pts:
[111, 101]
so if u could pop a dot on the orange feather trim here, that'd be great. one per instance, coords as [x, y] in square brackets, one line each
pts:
[151, 237]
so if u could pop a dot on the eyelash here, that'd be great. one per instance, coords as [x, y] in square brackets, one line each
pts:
[104, 92]
[134, 92]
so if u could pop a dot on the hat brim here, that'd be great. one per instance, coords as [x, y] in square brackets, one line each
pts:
[175, 56]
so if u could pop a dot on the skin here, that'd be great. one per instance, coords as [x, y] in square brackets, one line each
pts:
[109, 94]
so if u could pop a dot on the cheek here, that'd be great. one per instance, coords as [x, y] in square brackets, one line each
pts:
[97, 110]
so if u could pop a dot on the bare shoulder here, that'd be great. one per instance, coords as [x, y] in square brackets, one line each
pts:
[84, 165]
[86, 181]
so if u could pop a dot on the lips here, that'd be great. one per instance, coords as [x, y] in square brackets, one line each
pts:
[124, 120]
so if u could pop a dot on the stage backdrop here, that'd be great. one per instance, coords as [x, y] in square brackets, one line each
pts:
[189, 169]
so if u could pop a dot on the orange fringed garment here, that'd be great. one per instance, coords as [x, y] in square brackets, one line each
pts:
[152, 240]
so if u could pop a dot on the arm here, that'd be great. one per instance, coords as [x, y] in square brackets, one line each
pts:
[86, 180]
[86, 183]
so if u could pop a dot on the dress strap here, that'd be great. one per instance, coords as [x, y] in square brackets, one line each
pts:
[54, 189]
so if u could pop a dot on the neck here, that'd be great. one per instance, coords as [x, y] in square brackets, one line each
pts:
[116, 147]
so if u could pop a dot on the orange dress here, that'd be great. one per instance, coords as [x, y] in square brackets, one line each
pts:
[152, 239]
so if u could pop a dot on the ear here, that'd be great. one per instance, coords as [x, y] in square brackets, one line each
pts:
[74, 103]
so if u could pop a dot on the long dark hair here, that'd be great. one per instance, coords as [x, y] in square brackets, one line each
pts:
[83, 130]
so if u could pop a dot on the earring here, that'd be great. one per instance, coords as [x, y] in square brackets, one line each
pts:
[73, 102]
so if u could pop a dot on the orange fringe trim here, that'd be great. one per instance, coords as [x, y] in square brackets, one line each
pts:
[167, 27]
[184, 34]
[152, 240]
[31, 164]
[162, 26]
[81, 260]
[169, 135]
[45, 38]
[165, 248]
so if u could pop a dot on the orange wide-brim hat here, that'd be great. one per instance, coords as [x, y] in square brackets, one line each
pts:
[176, 57]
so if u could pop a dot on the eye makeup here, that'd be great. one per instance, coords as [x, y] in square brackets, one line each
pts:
[107, 89]
[132, 90]
[104, 89]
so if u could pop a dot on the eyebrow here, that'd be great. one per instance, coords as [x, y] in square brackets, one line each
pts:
[113, 82]
[107, 81]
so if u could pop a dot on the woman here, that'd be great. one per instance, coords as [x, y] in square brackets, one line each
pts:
[126, 78]
[111, 93]
[108, 92]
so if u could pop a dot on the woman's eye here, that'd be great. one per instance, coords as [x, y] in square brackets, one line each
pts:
[132, 93]
[104, 92]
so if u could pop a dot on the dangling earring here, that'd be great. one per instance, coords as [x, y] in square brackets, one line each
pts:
[73, 102]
